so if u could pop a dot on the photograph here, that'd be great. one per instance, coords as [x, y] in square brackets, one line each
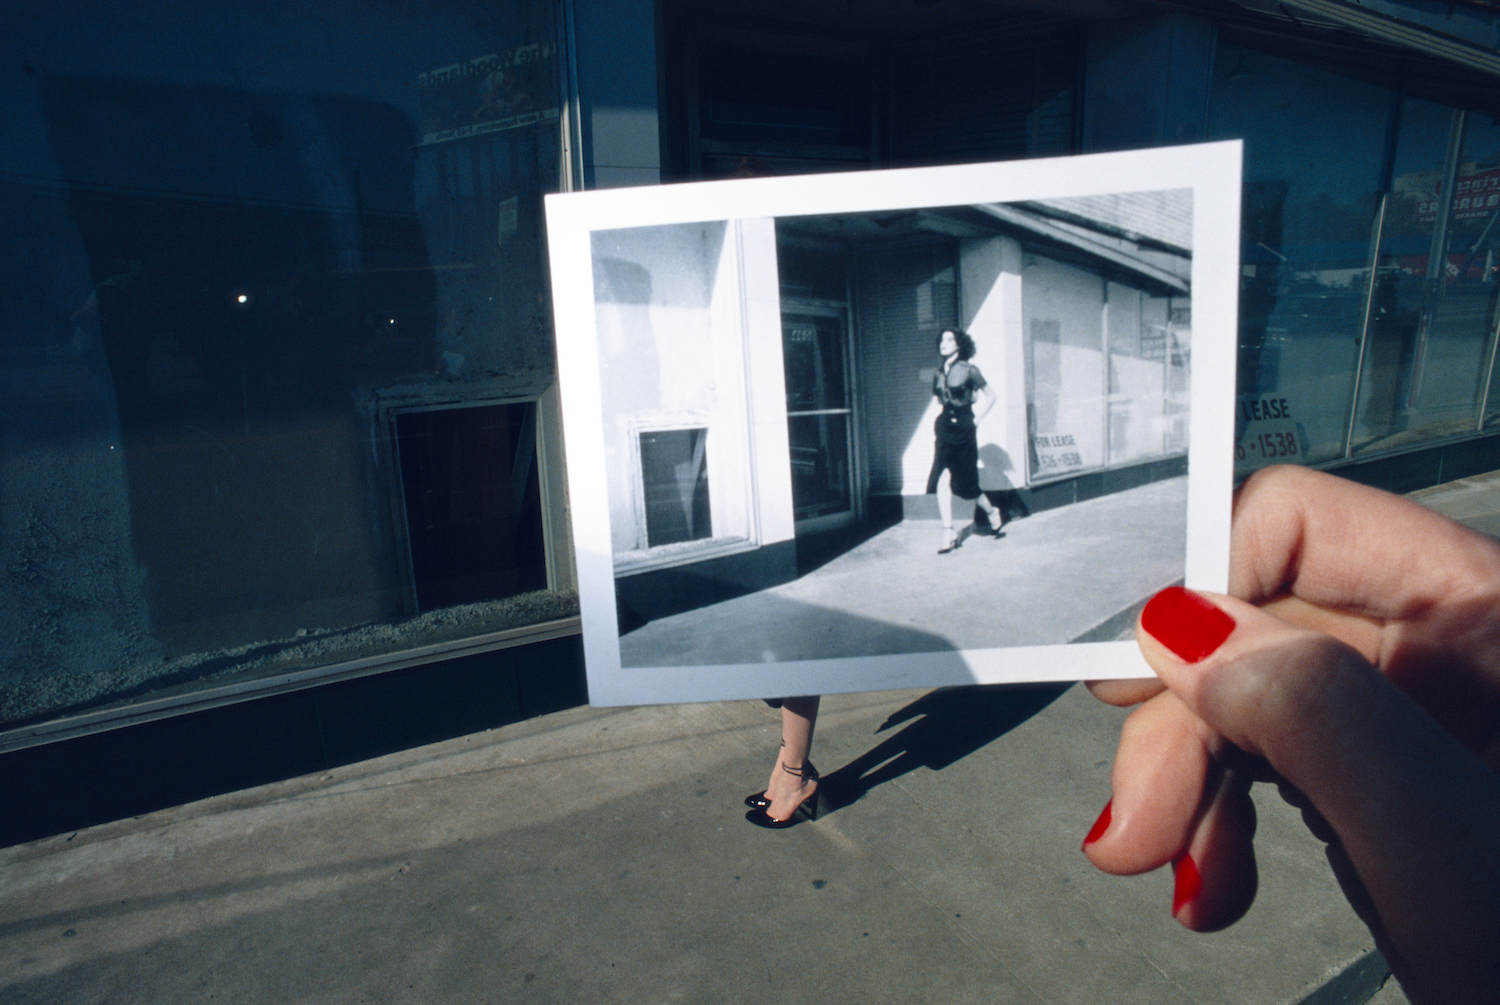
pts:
[894, 429]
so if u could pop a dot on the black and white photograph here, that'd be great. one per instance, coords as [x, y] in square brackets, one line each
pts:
[898, 440]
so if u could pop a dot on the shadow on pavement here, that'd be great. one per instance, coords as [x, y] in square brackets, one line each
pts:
[943, 726]
[816, 550]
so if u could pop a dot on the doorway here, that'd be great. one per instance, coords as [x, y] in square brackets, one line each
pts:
[820, 415]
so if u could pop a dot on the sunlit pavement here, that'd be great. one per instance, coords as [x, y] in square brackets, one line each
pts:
[600, 855]
[1055, 576]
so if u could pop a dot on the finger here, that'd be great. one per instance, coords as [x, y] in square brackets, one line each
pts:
[1124, 693]
[1360, 632]
[1160, 776]
[1417, 815]
[1215, 879]
[1413, 592]
[1174, 800]
[1344, 546]
[1439, 659]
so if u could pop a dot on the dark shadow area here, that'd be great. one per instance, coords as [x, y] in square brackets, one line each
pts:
[942, 727]
[72, 784]
[1009, 502]
[770, 628]
[659, 593]
[994, 458]
[816, 550]
[256, 259]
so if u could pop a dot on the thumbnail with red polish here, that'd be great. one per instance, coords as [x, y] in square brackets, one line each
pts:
[1186, 623]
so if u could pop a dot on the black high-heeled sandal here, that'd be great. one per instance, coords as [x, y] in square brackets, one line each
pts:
[758, 800]
[808, 809]
[996, 530]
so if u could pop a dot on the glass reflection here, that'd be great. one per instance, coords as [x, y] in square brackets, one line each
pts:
[1314, 146]
[1428, 334]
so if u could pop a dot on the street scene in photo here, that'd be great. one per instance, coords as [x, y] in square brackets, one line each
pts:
[830, 434]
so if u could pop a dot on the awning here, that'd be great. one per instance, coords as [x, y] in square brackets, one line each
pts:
[1461, 33]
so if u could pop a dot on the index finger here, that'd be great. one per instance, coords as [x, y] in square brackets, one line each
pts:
[1345, 547]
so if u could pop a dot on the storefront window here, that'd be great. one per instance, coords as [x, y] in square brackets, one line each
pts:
[1471, 267]
[1403, 398]
[276, 333]
[1314, 147]
[1367, 300]
[1478, 239]
[1148, 366]
[1108, 370]
[1064, 308]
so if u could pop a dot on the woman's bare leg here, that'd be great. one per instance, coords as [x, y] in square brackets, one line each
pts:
[991, 511]
[945, 509]
[787, 788]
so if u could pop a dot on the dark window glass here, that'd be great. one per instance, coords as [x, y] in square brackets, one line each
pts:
[473, 508]
[813, 354]
[674, 471]
[788, 97]
[820, 464]
[995, 91]
[1314, 149]
[239, 242]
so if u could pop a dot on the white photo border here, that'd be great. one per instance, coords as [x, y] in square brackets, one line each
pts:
[1211, 170]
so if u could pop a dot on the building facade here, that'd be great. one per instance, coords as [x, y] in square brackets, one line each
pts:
[281, 404]
[765, 382]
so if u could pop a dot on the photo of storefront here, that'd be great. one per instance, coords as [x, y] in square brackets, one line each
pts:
[769, 381]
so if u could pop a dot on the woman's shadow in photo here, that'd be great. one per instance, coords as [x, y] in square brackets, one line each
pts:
[942, 727]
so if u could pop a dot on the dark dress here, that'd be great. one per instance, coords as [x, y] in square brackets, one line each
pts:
[957, 446]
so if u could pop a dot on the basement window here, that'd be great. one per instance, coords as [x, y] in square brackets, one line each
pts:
[472, 503]
[674, 473]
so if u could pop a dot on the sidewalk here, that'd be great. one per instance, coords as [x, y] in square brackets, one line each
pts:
[599, 856]
[1055, 577]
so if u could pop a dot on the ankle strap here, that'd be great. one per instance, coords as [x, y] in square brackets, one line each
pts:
[807, 772]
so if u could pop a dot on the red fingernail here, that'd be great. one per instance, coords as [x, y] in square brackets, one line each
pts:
[1187, 883]
[1100, 826]
[1185, 623]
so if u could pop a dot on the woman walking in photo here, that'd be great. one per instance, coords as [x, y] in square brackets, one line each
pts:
[958, 385]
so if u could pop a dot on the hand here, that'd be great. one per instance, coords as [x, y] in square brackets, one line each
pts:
[1357, 662]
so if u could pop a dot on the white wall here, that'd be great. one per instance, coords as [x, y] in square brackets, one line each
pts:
[990, 306]
[690, 337]
[771, 453]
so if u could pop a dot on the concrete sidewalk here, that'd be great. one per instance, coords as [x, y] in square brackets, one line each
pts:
[600, 856]
[1054, 577]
